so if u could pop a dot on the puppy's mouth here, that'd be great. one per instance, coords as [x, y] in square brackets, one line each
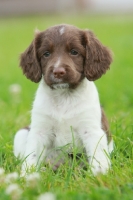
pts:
[60, 85]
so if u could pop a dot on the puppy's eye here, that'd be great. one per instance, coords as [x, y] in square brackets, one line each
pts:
[47, 54]
[73, 52]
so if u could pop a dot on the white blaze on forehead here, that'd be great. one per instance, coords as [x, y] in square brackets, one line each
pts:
[62, 30]
[57, 63]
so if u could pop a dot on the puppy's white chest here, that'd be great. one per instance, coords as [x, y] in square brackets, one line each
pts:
[66, 135]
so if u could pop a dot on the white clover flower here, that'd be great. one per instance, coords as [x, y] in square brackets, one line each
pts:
[32, 179]
[2, 171]
[47, 196]
[14, 191]
[11, 177]
[15, 88]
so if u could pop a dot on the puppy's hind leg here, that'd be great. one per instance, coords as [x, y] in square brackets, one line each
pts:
[20, 141]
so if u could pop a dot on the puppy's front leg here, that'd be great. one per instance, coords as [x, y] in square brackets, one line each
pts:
[95, 143]
[35, 151]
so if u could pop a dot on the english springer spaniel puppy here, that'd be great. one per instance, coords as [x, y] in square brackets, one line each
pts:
[66, 112]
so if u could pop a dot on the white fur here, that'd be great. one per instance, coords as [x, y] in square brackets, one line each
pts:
[62, 30]
[57, 63]
[60, 86]
[63, 117]
[20, 143]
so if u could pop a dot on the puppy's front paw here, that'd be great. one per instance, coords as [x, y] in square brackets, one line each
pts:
[26, 169]
[23, 173]
[100, 167]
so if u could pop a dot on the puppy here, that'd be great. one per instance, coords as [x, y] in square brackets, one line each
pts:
[66, 111]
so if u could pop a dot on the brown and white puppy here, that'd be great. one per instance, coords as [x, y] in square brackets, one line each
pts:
[66, 109]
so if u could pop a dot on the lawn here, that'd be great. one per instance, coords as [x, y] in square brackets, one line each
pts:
[116, 95]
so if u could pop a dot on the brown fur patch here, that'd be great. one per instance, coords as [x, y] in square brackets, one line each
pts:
[105, 125]
[27, 128]
[98, 57]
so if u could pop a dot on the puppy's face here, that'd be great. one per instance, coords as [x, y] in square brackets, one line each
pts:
[64, 55]
[61, 53]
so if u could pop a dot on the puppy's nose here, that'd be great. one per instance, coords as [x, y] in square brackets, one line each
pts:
[59, 72]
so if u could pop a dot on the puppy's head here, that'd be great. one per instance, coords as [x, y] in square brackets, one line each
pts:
[63, 55]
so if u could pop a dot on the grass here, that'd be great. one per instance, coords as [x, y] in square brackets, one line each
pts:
[116, 94]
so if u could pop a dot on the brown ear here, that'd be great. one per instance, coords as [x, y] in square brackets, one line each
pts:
[30, 65]
[98, 57]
